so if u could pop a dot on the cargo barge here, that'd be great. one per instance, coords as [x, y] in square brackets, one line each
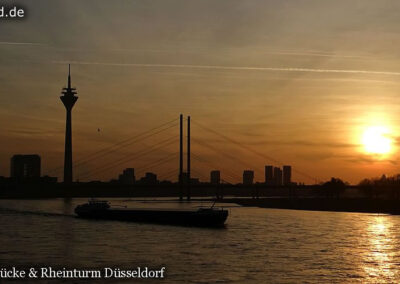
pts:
[202, 217]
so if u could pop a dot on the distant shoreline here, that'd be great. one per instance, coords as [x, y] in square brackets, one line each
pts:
[361, 205]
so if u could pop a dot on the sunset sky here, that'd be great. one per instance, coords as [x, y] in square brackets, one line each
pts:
[301, 81]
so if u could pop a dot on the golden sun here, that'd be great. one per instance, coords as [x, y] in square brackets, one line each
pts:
[377, 140]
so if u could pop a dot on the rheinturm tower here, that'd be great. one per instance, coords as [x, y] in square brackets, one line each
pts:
[69, 99]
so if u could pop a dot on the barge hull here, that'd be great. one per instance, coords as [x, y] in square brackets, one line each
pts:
[215, 218]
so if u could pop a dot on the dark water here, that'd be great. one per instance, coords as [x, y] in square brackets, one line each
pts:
[257, 246]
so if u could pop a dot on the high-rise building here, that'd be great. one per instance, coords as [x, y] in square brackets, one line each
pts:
[277, 176]
[248, 177]
[127, 176]
[149, 178]
[287, 175]
[25, 166]
[269, 175]
[69, 99]
[215, 177]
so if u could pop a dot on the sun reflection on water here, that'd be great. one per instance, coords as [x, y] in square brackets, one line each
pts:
[378, 262]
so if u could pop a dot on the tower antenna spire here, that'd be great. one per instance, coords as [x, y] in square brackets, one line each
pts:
[69, 76]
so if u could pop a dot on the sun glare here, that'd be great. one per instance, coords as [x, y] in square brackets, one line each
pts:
[376, 140]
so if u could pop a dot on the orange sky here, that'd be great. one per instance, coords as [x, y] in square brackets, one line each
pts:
[294, 80]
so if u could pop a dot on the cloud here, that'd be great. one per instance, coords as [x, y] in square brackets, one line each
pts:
[303, 143]
[21, 43]
[238, 68]
[362, 159]
[32, 132]
[315, 156]
[316, 54]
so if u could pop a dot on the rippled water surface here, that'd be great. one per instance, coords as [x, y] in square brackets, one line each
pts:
[257, 245]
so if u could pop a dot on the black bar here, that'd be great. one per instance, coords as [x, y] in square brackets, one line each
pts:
[180, 157]
[188, 159]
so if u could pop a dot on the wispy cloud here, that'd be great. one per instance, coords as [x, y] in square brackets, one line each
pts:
[291, 143]
[174, 49]
[21, 43]
[33, 132]
[316, 54]
[238, 68]
[362, 159]
[303, 143]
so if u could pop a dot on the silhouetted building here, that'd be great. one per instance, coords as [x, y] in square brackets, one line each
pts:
[269, 175]
[277, 176]
[69, 99]
[149, 178]
[215, 177]
[48, 179]
[287, 175]
[248, 177]
[184, 177]
[25, 166]
[127, 176]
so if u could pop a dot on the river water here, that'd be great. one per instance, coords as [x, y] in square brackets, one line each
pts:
[257, 246]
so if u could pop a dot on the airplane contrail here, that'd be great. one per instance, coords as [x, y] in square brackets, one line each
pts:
[239, 68]
[20, 43]
[272, 52]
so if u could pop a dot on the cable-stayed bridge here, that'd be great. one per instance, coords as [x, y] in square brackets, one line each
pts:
[163, 149]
